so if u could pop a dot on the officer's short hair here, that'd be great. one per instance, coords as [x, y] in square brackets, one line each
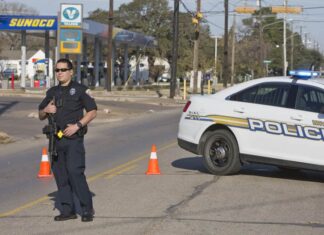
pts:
[65, 61]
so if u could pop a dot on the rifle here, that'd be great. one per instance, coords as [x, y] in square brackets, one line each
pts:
[50, 131]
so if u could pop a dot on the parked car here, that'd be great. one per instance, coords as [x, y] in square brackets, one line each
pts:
[273, 120]
[164, 78]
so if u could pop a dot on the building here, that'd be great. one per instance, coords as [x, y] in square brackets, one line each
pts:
[35, 62]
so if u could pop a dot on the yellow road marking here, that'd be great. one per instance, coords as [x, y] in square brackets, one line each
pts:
[121, 171]
[111, 172]
[28, 205]
[92, 178]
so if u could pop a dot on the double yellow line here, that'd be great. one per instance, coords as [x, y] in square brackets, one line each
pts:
[106, 174]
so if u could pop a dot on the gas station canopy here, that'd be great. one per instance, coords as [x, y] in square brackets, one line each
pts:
[120, 36]
[90, 27]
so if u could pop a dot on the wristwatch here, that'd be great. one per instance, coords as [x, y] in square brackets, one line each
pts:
[79, 124]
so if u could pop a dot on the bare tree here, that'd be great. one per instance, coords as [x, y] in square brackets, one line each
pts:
[11, 39]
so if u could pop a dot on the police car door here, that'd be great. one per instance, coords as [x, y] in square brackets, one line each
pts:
[308, 117]
[264, 107]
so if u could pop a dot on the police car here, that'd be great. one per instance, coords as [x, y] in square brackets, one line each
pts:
[273, 120]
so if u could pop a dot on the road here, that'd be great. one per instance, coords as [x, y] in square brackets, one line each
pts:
[18, 115]
[121, 141]
[184, 199]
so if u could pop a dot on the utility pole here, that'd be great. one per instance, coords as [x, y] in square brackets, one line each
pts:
[225, 62]
[292, 47]
[196, 48]
[109, 54]
[215, 69]
[233, 51]
[260, 38]
[284, 72]
[174, 48]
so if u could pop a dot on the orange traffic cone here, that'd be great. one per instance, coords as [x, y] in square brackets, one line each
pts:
[153, 167]
[45, 166]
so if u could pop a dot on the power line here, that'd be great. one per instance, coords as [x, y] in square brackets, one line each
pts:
[205, 19]
[217, 26]
[310, 21]
[187, 9]
[313, 8]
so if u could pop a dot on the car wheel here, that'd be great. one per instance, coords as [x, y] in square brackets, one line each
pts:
[221, 153]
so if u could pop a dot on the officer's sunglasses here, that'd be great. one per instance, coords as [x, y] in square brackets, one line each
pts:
[62, 70]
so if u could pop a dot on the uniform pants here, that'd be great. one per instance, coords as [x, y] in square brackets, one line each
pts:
[68, 168]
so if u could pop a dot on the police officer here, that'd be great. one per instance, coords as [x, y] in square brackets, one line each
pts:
[67, 102]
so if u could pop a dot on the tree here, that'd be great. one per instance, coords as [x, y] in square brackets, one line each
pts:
[11, 39]
[272, 35]
[154, 18]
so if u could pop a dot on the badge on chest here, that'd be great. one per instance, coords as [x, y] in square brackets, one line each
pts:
[72, 91]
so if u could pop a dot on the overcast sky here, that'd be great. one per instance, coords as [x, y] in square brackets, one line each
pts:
[311, 21]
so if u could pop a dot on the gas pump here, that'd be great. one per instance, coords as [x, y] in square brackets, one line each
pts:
[39, 77]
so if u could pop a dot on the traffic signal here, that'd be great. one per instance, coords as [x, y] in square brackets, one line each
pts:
[197, 18]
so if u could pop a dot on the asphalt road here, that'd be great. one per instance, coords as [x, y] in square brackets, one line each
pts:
[18, 115]
[117, 140]
[184, 199]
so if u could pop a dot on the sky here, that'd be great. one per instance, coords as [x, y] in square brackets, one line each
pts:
[310, 21]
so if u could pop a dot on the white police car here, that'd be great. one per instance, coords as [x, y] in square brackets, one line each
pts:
[273, 120]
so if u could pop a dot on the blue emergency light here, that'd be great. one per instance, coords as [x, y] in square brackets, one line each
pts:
[304, 74]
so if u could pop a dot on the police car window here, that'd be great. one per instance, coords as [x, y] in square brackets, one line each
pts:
[272, 94]
[267, 94]
[309, 99]
[247, 95]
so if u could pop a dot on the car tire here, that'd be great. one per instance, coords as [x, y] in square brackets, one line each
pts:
[221, 153]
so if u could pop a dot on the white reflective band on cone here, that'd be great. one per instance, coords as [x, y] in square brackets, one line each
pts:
[44, 158]
[153, 155]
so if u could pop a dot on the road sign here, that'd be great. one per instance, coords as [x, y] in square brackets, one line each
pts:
[283, 9]
[27, 22]
[70, 30]
[71, 16]
[207, 76]
[70, 41]
[245, 10]
[267, 61]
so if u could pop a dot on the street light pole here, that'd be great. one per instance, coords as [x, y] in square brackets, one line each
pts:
[284, 41]
[260, 39]
[292, 47]
[215, 69]
[233, 51]
[175, 43]
[196, 52]
[109, 53]
[225, 59]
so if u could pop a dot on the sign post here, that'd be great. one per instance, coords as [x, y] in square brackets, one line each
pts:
[267, 62]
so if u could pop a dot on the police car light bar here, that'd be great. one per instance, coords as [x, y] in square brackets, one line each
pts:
[303, 74]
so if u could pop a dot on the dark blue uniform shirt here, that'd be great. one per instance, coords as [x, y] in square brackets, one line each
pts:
[70, 102]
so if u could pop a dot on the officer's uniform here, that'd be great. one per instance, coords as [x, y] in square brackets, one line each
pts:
[69, 165]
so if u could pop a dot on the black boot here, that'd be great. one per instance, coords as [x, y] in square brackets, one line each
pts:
[87, 216]
[63, 217]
